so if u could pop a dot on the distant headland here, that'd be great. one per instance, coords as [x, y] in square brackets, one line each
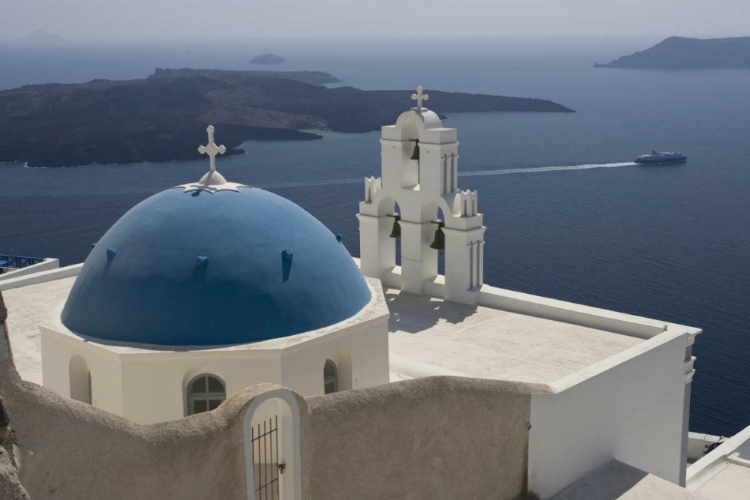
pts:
[688, 53]
[267, 59]
[164, 116]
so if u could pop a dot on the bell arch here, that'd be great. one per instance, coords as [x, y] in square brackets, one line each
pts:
[395, 234]
[413, 124]
[271, 428]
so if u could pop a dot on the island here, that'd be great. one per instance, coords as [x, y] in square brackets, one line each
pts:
[40, 39]
[164, 117]
[267, 59]
[688, 53]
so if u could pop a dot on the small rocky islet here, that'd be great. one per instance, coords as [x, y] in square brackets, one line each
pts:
[267, 59]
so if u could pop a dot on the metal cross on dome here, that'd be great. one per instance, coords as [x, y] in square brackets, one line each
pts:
[211, 149]
[419, 97]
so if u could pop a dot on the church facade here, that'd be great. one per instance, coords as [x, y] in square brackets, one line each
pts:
[401, 360]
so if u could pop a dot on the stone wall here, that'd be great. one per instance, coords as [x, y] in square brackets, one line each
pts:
[430, 438]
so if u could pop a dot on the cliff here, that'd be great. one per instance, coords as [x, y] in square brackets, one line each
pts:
[688, 53]
[164, 117]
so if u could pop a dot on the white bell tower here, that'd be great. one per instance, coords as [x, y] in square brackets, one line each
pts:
[426, 190]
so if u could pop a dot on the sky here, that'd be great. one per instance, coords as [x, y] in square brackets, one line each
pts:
[147, 20]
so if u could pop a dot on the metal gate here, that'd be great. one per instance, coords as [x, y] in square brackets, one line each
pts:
[266, 467]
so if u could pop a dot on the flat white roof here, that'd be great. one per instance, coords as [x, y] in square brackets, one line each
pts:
[723, 474]
[428, 336]
[445, 338]
[28, 307]
[619, 481]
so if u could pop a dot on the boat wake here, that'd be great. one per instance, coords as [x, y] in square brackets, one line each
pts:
[535, 170]
[476, 173]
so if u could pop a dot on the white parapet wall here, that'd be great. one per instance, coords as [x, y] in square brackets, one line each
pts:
[44, 265]
[631, 410]
[42, 276]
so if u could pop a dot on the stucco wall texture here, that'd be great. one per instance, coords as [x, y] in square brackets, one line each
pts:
[69, 450]
[431, 438]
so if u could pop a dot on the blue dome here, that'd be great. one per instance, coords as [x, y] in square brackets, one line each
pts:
[199, 268]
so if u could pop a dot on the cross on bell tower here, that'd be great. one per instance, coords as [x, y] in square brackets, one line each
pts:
[419, 97]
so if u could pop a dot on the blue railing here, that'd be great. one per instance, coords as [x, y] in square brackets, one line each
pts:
[18, 262]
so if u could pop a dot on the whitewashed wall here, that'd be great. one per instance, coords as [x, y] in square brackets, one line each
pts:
[147, 384]
[105, 368]
[360, 354]
[632, 412]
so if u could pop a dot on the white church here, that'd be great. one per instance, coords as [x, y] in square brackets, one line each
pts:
[215, 309]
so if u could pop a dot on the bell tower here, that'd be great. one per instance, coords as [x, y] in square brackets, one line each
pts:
[417, 200]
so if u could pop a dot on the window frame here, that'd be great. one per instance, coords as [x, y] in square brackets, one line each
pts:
[207, 397]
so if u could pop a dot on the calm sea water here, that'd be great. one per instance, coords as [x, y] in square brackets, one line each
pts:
[667, 242]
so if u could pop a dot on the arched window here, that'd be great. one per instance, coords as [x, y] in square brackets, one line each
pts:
[205, 393]
[80, 380]
[330, 377]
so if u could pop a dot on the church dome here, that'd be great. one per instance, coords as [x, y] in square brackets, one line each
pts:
[214, 264]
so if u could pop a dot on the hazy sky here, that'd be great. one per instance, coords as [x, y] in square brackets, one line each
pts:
[237, 19]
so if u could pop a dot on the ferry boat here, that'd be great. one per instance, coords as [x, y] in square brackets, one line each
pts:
[654, 157]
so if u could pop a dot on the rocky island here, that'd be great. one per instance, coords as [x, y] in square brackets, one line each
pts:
[688, 53]
[164, 116]
[267, 59]
[40, 39]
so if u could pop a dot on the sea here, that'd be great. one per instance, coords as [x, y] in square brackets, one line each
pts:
[568, 214]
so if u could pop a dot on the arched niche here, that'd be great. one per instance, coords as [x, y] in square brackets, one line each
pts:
[344, 371]
[80, 380]
[271, 428]
[410, 130]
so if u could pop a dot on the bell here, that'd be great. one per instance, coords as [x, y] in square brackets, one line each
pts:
[396, 231]
[415, 154]
[439, 241]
